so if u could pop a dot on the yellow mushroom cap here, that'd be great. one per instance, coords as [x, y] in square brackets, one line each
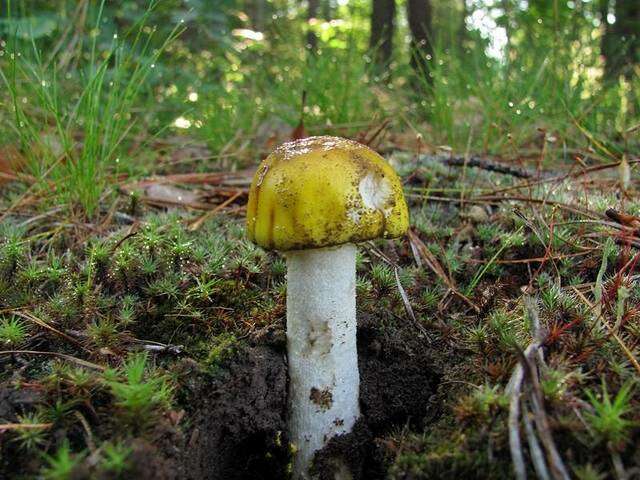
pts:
[324, 191]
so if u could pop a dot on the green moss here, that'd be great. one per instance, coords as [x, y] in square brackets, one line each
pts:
[138, 391]
[218, 350]
[459, 455]
[13, 332]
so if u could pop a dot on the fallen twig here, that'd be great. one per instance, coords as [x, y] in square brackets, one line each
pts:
[24, 426]
[435, 266]
[197, 223]
[556, 464]
[515, 445]
[535, 450]
[481, 163]
[78, 361]
[407, 305]
[605, 322]
[32, 318]
[510, 198]
[529, 360]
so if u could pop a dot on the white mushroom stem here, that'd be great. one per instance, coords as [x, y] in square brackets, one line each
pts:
[321, 349]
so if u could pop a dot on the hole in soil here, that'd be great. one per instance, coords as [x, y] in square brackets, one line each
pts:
[239, 428]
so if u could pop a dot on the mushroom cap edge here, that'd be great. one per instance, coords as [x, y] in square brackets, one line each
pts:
[321, 192]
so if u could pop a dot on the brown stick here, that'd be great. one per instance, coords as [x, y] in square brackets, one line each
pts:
[481, 163]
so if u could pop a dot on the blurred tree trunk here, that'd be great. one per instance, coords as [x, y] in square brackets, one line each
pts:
[621, 40]
[419, 13]
[506, 8]
[312, 12]
[605, 40]
[463, 35]
[327, 10]
[382, 27]
[256, 12]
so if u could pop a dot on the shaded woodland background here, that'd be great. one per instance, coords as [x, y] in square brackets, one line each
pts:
[491, 77]
[249, 59]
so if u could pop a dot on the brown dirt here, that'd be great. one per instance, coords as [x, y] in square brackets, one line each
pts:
[239, 424]
[239, 428]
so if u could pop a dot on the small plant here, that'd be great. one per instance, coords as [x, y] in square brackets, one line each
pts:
[127, 262]
[453, 259]
[79, 381]
[12, 250]
[513, 239]
[127, 314]
[152, 238]
[167, 287]
[485, 400]
[559, 237]
[609, 250]
[551, 297]
[55, 270]
[100, 256]
[33, 434]
[363, 286]
[383, 277]
[204, 289]
[181, 250]
[62, 307]
[608, 417]
[60, 410]
[489, 232]
[361, 261]
[509, 328]
[280, 288]
[248, 258]
[431, 297]
[588, 472]
[13, 332]
[478, 336]
[136, 394]
[62, 464]
[554, 384]
[488, 398]
[278, 267]
[103, 332]
[32, 274]
[115, 458]
[149, 265]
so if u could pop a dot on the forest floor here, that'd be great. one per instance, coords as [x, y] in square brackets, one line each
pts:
[499, 336]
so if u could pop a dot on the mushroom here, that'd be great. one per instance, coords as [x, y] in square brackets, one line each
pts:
[313, 199]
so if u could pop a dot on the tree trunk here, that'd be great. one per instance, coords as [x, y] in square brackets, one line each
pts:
[382, 27]
[506, 8]
[312, 12]
[462, 28]
[621, 40]
[606, 40]
[256, 13]
[419, 13]
[327, 10]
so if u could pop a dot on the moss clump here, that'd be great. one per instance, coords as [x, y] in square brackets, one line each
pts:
[219, 350]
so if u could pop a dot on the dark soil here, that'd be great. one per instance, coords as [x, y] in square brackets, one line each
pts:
[239, 425]
[239, 428]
